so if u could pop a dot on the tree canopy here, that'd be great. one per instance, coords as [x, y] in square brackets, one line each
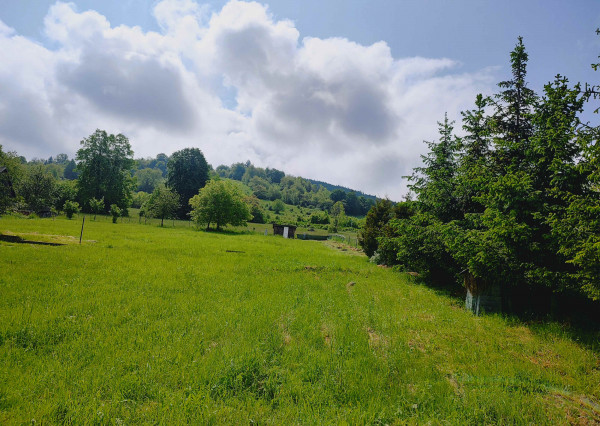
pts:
[514, 202]
[187, 173]
[103, 163]
[220, 203]
[162, 204]
[38, 189]
[148, 179]
[9, 171]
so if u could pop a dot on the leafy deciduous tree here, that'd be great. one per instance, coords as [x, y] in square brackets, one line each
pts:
[115, 211]
[97, 206]
[163, 203]
[148, 179]
[38, 189]
[278, 206]
[10, 173]
[187, 173]
[104, 162]
[337, 213]
[221, 203]
[70, 208]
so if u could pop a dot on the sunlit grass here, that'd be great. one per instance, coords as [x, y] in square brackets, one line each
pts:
[173, 325]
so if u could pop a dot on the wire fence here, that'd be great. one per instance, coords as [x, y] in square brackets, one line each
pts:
[348, 238]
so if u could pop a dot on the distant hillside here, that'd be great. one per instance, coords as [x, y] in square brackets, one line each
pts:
[331, 187]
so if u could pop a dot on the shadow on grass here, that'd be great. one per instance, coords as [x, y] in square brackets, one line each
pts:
[576, 318]
[228, 232]
[19, 240]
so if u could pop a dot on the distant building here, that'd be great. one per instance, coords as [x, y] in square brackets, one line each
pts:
[287, 231]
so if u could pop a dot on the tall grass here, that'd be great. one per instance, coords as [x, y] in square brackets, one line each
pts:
[142, 324]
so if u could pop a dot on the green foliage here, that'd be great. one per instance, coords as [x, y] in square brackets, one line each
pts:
[96, 206]
[163, 203]
[38, 189]
[319, 218]
[187, 173]
[139, 199]
[252, 172]
[379, 215]
[273, 184]
[337, 195]
[515, 201]
[148, 179]
[70, 208]
[256, 211]
[104, 162]
[274, 175]
[278, 206]
[577, 230]
[9, 177]
[417, 244]
[512, 118]
[261, 188]
[434, 182]
[219, 202]
[65, 190]
[115, 211]
[337, 214]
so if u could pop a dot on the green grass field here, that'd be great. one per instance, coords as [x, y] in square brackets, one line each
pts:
[141, 324]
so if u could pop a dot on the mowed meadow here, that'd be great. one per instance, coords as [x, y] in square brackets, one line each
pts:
[142, 324]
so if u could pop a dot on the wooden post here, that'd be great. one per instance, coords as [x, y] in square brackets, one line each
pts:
[81, 234]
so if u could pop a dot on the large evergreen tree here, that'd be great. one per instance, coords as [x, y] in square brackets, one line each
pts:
[379, 215]
[434, 182]
[527, 183]
[513, 111]
[473, 162]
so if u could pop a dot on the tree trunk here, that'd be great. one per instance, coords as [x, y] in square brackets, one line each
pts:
[161, 221]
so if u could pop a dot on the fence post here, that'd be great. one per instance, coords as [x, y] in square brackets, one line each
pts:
[81, 234]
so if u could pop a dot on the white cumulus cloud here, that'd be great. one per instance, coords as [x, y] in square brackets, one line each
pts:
[236, 83]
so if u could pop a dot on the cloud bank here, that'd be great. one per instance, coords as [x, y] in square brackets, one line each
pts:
[236, 83]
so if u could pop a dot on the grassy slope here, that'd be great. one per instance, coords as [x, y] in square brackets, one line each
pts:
[164, 325]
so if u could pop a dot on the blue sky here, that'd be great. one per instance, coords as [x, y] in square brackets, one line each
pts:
[343, 91]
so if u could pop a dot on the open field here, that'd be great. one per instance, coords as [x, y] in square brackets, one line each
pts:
[141, 324]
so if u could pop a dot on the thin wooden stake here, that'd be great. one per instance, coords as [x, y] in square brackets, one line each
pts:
[81, 234]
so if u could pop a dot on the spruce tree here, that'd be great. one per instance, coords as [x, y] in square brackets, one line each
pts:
[513, 112]
[434, 182]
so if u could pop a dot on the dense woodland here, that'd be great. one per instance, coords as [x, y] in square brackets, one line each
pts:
[513, 203]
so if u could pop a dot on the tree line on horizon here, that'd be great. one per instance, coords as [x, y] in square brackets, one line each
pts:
[105, 178]
[513, 203]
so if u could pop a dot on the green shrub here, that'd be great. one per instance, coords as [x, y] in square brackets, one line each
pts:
[115, 211]
[70, 208]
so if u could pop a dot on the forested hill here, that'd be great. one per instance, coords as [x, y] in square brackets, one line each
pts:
[332, 188]
[142, 176]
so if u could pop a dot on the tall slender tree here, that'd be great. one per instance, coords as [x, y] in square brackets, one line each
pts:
[187, 173]
[434, 182]
[473, 161]
[513, 111]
